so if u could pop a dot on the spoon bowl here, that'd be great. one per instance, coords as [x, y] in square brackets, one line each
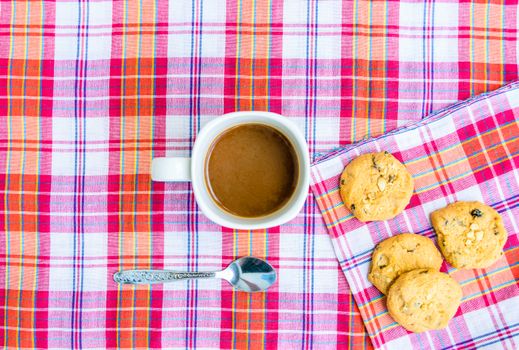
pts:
[249, 274]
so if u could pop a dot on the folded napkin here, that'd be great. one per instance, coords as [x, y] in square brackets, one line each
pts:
[469, 151]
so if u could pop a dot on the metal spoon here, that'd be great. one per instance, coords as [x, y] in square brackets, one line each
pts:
[247, 274]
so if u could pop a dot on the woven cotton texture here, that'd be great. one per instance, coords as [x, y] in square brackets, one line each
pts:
[91, 91]
[469, 152]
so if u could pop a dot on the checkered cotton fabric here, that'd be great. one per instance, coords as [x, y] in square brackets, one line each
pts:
[91, 91]
[467, 152]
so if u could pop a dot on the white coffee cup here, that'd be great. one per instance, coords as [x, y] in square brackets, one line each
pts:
[193, 169]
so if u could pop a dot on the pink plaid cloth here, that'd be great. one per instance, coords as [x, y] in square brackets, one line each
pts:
[467, 152]
[91, 91]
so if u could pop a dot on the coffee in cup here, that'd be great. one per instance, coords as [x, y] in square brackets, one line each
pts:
[251, 170]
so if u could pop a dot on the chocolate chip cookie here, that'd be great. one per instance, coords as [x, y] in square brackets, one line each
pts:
[423, 299]
[470, 234]
[376, 186]
[399, 254]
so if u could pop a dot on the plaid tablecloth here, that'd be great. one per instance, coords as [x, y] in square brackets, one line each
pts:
[468, 152]
[91, 91]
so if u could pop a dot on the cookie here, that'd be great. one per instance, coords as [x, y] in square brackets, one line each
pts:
[376, 186]
[470, 234]
[399, 254]
[423, 299]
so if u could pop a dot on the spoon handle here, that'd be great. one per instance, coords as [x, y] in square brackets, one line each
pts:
[157, 276]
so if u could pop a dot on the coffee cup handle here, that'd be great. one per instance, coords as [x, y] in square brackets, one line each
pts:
[171, 169]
